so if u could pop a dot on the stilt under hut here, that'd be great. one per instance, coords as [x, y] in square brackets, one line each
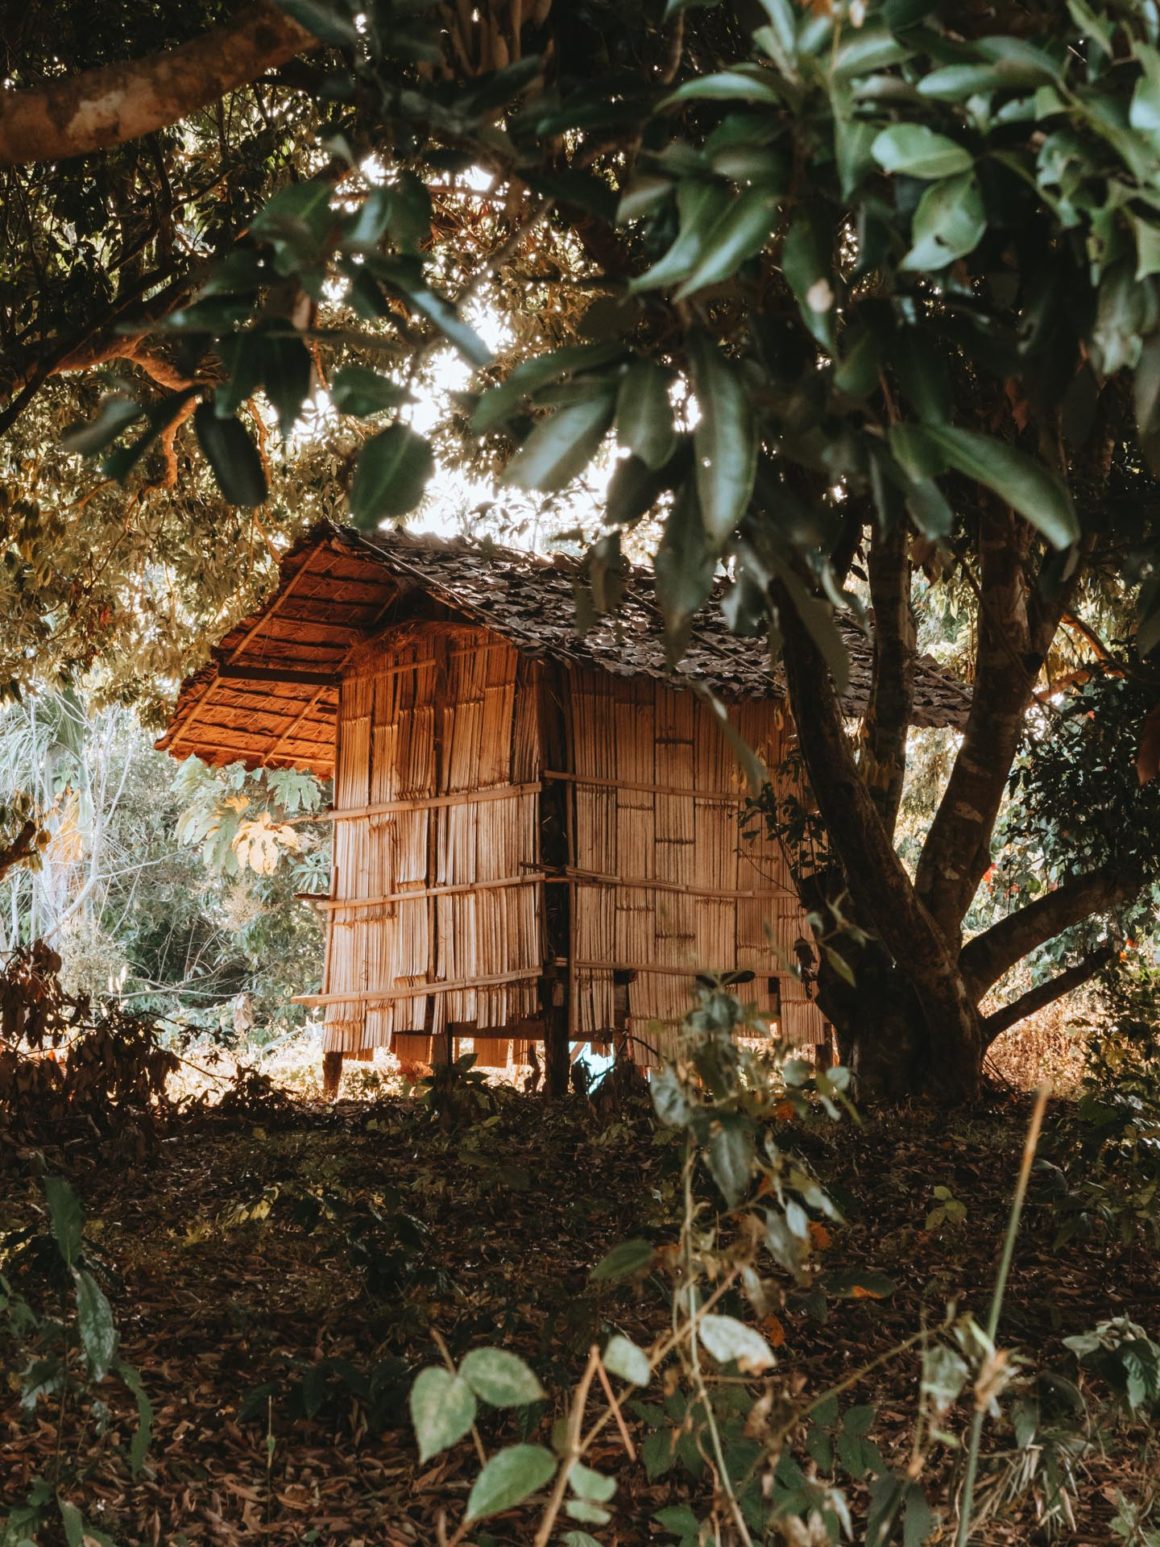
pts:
[536, 834]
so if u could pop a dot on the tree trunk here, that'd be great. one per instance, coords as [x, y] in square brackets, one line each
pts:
[912, 1024]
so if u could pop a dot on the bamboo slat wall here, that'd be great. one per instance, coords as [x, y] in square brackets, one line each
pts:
[436, 910]
[430, 725]
[664, 886]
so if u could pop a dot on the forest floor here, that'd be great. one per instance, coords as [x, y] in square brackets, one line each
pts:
[263, 1268]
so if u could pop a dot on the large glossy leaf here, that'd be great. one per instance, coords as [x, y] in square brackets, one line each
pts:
[724, 440]
[442, 1410]
[729, 1156]
[360, 391]
[500, 1378]
[725, 86]
[287, 372]
[391, 476]
[1026, 485]
[115, 412]
[700, 205]
[684, 567]
[740, 233]
[232, 455]
[560, 447]
[644, 413]
[143, 1434]
[919, 152]
[948, 223]
[806, 263]
[508, 1479]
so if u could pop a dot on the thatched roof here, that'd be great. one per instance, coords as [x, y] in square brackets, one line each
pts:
[269, 694]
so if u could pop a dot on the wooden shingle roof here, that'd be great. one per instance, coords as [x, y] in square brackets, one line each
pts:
[269, 694]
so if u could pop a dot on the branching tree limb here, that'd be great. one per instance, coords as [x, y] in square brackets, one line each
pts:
[1044, 994]
[80, 114]
[988, 956]
[878, 882]
[883, 749]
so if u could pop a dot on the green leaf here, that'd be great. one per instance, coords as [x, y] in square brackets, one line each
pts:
[684, 567]
[78, 1532]
[500, 1378]
[805, 262]
[114, 413]
[625, 1259]
[287, 370]
[957, 82]
[1147, 401]
[724, 441]
[740, 233]
[818, 617]
[587, 1484]
[724, 86]
[65, 1216]
[560, 448]
[625, 1359]
[918, 1519]
[700, 206]
[324, 21]
[579, 1539]
[948, 223]
[360, 391]
[729, 1156]
[644, 413]
[391, 475]
[591, 1514]
[728, 1339]
[98, 1332]
[232, 455]
[1025, 484]
[143, 1433]
[669, 1099]
[508, 1478]
[500, 402]
[919, 152]
[442, 1410]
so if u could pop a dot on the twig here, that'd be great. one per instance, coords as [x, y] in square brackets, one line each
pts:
[614, 1405]
[962, 1536]
[573, 1451]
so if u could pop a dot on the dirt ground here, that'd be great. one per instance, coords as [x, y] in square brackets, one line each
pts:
[263, 1268]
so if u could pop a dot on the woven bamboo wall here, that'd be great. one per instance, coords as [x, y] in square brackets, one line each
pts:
[436, 795]
[663, 885]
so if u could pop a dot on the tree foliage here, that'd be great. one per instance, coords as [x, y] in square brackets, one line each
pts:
[854, 287]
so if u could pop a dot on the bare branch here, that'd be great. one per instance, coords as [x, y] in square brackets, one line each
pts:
[1044, 994]
[989, 955]
[80, 114]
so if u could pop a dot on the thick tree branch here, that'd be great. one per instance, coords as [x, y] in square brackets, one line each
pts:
[883, 751]
[989, 955]
[879, 885]
[957, 847]
[1044, 994]
[80, 114]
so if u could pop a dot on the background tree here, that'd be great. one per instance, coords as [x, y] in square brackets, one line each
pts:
[895, 271]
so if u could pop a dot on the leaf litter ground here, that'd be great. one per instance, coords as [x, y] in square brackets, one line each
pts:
[262, 1271]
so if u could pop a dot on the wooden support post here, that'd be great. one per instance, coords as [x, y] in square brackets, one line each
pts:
[555, 854]
[331, 1074]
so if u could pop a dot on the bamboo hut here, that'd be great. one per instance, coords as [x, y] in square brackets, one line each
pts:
[536, 830]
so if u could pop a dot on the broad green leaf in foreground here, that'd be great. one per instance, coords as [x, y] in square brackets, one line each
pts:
[500, 1378]
[560, 448]
[392, 473]
[442, 1410]
[508, 1478]
[919, 152]
[1024, 483]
